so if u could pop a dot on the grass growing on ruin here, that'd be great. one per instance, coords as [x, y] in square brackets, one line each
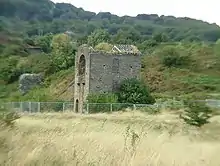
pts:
[119, 139]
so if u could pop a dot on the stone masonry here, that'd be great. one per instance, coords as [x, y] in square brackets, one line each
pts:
[97, 72]
[28, 81]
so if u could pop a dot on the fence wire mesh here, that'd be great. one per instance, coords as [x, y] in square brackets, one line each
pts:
[34, 107]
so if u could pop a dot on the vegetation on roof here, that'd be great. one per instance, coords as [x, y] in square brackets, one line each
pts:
[116, 49]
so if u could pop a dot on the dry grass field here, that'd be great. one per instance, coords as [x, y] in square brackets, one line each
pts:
[118, 139]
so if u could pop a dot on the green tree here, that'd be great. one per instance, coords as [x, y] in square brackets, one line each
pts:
[63, 52]
[135, 92]
[45, 42]
[128, 36]
[9, 72]
[100, 102]
[196, 114]
[98, 36]
[172, 56]
[160, 37]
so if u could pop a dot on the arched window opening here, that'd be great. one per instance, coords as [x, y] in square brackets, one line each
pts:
[77, 106]
[82, 65]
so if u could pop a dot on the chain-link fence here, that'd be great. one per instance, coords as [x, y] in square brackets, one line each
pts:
[34, 107]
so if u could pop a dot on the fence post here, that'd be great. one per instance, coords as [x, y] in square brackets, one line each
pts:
[21, 109]
[87, 108]
[38, 107]
[111, 107]
[63, 106]
[134, 106]
[29, 106]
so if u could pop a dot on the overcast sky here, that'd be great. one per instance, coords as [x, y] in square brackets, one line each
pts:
[207, 10]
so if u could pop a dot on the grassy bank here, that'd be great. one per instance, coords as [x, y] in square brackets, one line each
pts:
[116, 139]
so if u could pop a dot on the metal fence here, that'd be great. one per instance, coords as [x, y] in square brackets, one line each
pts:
[34, 107]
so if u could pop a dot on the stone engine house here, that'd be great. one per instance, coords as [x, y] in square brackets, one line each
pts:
[100, 72]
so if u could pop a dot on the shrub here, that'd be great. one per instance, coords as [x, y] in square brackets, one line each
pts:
[135, 92]
[14, 50]
[2, 47]
[58, 106]
[196, 113]
[41, 63]
[100, 102]
[174, 57]
[8, 71]
[52, 106]
[63, 52]
[104, 47]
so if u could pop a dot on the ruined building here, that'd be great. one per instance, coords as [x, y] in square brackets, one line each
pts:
[99, 71]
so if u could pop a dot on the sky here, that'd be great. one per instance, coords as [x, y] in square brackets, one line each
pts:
[207, 10]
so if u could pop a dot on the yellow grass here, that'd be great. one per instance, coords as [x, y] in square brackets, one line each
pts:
[119, 139]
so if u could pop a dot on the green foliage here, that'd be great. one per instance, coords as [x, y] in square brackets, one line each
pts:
[135, 92]
[37, 23]
[52, 107]
[45, 42]
[40, 18]
[63, 53]
[98, 36]
[2, 47]
[39, 94]
[101, 102]
[196, 114]
[217, 48]
[8, 71]
[41, 63]
[160, 37]
[104, 47]
[102, 98]
[174, 57]
[205, 82]
[14, 50]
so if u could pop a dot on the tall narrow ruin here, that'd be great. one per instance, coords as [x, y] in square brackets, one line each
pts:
[99, 71]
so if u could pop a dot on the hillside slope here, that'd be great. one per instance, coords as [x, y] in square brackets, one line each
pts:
[40, 17]
[180, 55]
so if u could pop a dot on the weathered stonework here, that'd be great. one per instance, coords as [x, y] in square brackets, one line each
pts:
[101, 72]
[28, 81]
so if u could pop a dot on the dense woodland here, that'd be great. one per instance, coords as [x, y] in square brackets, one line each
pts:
[180, 55]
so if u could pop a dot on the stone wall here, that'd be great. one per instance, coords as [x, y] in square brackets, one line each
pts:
[81, 88]
[29, 81]
[107, 71]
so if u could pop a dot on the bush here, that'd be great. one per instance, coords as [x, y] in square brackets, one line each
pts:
[14, 50]
[52, 106]
[8, 118]
[63, 52]
[196, 114]
[104, 47]
[135, 92]
[174, 57]
[8, 71]
[100, 102]
[2, 47]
